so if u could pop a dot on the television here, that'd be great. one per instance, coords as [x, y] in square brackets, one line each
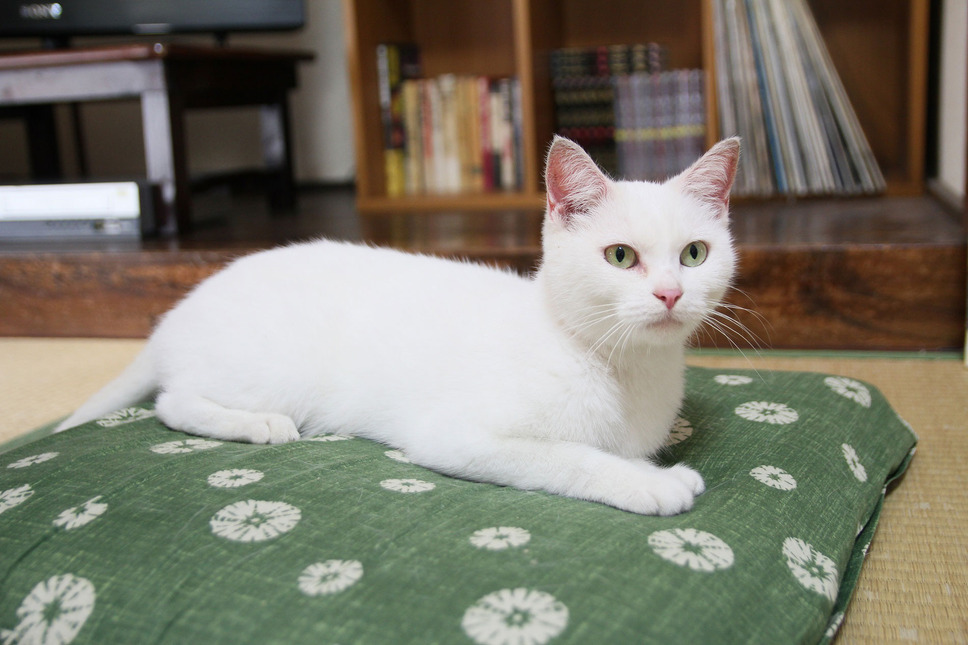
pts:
[57, 22]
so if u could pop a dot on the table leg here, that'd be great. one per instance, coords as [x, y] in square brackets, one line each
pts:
[277, 154]
[165, 159]
[42, 143]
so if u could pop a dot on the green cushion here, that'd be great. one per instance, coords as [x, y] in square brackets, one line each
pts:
[122, 531]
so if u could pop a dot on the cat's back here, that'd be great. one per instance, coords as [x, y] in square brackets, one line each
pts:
[355, 263]
[310, 285]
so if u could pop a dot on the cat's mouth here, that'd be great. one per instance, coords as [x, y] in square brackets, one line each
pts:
[667, 321]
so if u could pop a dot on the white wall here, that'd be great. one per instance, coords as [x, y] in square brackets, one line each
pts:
[954, 75]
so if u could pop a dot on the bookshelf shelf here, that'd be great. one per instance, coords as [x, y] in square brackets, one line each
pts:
[499, 38]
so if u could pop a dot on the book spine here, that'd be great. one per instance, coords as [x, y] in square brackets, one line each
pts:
[413, 147]
[486, 140]
[395, 63]
[449, 135]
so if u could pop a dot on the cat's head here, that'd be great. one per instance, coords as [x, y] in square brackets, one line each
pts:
[627, 263]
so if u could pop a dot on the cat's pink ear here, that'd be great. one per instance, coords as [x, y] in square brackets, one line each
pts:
[574, 183]
[711, 177]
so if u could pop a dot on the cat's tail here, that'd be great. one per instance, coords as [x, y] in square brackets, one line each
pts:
[135, 384]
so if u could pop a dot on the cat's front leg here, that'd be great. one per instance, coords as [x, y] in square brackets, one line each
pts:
[566, 468]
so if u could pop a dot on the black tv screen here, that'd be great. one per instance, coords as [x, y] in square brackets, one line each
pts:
[61, 20]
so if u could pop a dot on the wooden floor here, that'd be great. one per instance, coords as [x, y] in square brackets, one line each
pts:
[882, 273]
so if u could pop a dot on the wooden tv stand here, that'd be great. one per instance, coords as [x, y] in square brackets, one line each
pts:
[168, 80]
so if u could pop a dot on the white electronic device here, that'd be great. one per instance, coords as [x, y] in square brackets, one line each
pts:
[83, 210]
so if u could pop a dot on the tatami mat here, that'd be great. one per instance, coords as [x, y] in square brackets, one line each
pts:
[42, 380]
[914, 587]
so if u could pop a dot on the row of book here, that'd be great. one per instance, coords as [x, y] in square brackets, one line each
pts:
[584, 94]
[450, 133]
[660, 123]
[777, 88]
[637, 120]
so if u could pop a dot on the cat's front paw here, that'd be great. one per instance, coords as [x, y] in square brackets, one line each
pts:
[271, 428]
[664, 491]
[689, 477]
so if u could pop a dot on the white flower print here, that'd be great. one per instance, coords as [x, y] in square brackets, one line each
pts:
[234, 478]
[82, 515]
[698, 550]
[812, 569]
[332, 576]
[53, 612]
[397, 455]
[733, 379]
[407, 485]
[515, 617]
[329, 437]
[254, 521]
[853, 461]
[33, 459]
[774, 477]
[184, 446]
[765, 412]
[498, 538]
[127, 415]
[14, 496]
[848, 387]
[680, 431]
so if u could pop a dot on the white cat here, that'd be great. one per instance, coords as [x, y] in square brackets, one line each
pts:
[567, 382]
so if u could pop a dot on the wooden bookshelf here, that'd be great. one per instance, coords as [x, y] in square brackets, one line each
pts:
[878, 46]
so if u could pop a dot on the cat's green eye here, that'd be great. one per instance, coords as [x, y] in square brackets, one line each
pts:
[694, 254]
[621, 256]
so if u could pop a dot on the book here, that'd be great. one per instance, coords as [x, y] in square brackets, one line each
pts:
[395, 64]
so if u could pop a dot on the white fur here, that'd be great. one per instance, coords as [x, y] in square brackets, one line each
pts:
[561, 382]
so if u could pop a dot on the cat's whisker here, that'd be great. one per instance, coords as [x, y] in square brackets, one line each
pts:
[603, 340]
[592, 316]
[625, 341]
[725, 331]
[620, 343]
[741, 329]
[595, 310]
[760, 318]
[596, 316]
[588, 322]
[725, 322]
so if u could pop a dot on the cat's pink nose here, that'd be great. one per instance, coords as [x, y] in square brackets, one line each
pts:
[669, 297]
